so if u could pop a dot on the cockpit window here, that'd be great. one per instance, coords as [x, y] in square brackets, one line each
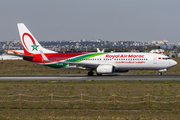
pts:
[166, 58]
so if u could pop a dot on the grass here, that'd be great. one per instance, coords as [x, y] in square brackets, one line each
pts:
[85, 110]
[86, 115]
[15, 67]
[89, 110]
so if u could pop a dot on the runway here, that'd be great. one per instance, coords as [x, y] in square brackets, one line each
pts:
[81, 77]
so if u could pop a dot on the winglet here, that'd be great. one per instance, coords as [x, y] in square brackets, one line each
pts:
[44, 56]
[103, 50]
[98, 50]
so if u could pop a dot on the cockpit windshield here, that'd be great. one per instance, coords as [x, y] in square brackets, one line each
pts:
[166, 58]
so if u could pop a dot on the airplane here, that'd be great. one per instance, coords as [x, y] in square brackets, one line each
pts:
[100, 62]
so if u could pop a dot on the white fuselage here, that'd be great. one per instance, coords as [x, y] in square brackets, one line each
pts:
[133, 61]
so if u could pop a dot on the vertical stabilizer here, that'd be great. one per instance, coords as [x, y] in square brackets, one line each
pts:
[29, 42]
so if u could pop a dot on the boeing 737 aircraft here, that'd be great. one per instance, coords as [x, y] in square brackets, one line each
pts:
[100, 62]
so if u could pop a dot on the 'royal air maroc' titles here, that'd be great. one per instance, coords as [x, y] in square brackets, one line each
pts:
[124, 56]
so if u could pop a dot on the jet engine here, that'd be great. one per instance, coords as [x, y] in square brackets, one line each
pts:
[105, 69]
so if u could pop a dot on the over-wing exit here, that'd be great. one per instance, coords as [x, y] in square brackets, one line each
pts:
[100, 62]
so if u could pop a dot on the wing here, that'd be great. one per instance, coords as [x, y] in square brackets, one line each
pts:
[86, 65]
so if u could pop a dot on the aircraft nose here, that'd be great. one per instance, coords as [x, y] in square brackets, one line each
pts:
[174, 62]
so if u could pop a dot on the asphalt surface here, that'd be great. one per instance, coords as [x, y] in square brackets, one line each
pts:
[80, 77]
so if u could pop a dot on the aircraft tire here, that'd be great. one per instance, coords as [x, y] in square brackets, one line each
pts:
[160, 73]
[90, 73]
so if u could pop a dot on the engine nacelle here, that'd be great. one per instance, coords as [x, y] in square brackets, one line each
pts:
[105, 69]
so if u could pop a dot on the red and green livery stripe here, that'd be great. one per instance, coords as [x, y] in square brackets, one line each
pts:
[73, 59]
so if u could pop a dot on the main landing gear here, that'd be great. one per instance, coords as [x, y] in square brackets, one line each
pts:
[160, 73]
[90, 73]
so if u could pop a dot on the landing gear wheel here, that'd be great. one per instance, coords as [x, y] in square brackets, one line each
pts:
[99, 74]
[160, 73]
[90, 73]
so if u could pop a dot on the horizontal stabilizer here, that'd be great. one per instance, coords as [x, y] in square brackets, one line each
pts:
[21, 55]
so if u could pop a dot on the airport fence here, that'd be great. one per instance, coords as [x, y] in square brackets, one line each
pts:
[82, 98]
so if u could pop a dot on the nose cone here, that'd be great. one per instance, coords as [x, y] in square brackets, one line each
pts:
[173, 63]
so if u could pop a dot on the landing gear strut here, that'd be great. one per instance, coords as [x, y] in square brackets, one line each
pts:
[160, 73]
[90, 73]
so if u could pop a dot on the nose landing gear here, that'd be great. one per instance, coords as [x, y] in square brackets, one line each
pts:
[162, 70]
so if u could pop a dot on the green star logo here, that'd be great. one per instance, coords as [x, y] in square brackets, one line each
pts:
[34, 46]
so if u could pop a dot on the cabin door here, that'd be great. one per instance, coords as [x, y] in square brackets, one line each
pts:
[155, 59]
